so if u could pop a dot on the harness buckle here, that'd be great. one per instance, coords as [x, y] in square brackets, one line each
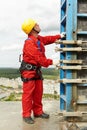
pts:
[28, 66]
[34, 67]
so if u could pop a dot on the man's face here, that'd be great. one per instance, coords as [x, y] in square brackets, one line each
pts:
[37, 28]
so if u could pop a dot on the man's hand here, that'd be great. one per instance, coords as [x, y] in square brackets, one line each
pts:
[63, 35]
[56, 62]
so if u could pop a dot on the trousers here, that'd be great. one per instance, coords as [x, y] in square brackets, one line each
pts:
[32, 98]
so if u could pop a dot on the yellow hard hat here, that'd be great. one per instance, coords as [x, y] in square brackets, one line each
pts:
[28, 25]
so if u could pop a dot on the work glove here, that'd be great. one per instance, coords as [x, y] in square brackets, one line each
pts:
[56, 62]
[63, 35]
[56, 49]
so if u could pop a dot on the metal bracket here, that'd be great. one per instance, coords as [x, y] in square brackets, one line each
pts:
[71, 61]
[77, 49]
[70, 114]
[72, 81]
[70, 42]
[80, 116]
[78, 67]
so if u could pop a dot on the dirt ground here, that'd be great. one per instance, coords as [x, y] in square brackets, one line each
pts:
[11, 119]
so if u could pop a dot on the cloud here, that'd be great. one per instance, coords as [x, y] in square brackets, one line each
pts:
[14, 12]
[10, 47]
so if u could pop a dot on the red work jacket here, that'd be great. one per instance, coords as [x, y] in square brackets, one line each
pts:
[36, 55]
[33, 54]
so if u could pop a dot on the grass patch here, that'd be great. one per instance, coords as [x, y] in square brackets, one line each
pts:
[12, 73]
[18, 97]
[51, 96]
[12, 97]
[51, 77]
[5, 87]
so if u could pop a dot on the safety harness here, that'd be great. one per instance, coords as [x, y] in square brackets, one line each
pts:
[26, 66]
[30, 67]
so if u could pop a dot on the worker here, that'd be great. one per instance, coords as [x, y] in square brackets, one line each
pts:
[33, 58]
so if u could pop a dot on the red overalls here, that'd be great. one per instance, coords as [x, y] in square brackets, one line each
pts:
[33, 89]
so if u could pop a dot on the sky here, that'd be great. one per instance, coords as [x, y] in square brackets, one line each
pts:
[12, 15]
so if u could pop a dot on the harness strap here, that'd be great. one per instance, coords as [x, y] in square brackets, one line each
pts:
[38, 43]
[30, 79]
[26, 66]
[29, 67]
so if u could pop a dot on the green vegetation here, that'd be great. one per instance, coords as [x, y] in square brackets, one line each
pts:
[5, 87]
[12, 97]
[48, 73]
[17, 97]
[50, 96]
[9, 73]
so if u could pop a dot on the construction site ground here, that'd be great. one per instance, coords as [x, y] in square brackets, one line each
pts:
[11, 119]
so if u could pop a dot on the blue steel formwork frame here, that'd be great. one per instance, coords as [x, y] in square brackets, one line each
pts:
[82, 35]
[68, 26]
